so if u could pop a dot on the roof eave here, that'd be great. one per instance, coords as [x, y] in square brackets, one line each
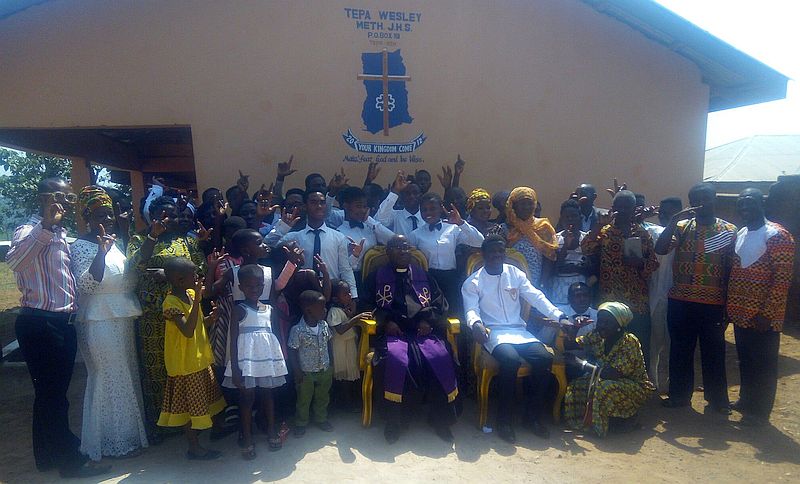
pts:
[734, 78]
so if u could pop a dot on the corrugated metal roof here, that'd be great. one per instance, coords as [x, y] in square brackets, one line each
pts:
[754, 159]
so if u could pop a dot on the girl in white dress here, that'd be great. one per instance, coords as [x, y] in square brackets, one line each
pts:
[256, 358]
[346, 373]
[107, 308]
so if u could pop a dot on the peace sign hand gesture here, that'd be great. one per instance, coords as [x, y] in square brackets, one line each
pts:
[159, 226]
[617, 188]
[243, 182]
[203, 233]
[294, 254]
[356, 248]
[400, 182]
[453, 216]
[446, 178]
[338, 182]
[104, 241]
[372, 172]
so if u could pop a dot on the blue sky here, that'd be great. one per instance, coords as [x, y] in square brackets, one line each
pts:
[767, 30]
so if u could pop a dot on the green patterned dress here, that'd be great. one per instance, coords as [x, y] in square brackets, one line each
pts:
[610, 398]
[150, 327]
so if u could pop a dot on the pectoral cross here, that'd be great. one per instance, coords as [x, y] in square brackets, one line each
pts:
[384, 77]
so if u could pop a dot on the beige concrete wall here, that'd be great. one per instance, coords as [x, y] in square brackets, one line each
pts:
[545, 93]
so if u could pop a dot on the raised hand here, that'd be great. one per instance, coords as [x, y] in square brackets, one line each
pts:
[684, 214]
[320, 266]
[446, 178]
[400, 182]
[53, 214]
[198, 290]
[203, 233]
[243, 182]
[338, 182]
[570, 240]
[372, 172]
[453, 215]
[292, 218]
[159, 226]
[160, 182]
[285, 168]
[104, 241]
[643, 213]
[294, 254]
[356, 247]
[459, 166]
[617, 188]
[220, 207]
[215, 259]
[264, 205]
[123, 217]
[213, 316]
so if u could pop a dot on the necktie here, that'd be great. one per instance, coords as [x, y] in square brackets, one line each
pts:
[413, 222]
[356, 224]
[436, 226]
[317, 248]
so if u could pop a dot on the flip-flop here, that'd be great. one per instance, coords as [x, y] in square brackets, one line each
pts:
[249, 452]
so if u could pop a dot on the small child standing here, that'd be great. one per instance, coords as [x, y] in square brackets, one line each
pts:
[191, 394]
[256, 358]
[346, 373]
[310, 363]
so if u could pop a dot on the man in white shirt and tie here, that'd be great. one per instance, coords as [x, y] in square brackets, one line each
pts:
[316, 238]
[362, 231]
[492, 301]
[405, 221]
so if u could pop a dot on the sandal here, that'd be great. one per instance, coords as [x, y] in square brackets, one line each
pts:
[275, 443]
[249, 452]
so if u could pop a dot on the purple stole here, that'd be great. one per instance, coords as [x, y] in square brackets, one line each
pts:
[432, 348]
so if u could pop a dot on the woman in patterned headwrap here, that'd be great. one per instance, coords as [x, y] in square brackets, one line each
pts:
[614, 392]
[534, 237]
[166, 238]
[112, 405]
[479, 208]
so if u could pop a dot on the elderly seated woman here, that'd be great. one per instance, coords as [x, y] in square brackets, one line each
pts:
[615, 383]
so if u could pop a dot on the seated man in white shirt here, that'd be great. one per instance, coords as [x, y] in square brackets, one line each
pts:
[315, 238]
[492, 301]
[405, 221]
[362, 231]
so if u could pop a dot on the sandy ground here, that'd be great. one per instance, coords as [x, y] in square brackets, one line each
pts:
[673, 446]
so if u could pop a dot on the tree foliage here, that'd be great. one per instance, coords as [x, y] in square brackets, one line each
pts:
[22, 173]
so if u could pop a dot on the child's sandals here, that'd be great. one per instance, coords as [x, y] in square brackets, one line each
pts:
[249, 452]
[275, 443]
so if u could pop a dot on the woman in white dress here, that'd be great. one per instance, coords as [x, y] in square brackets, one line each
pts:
[107, 309]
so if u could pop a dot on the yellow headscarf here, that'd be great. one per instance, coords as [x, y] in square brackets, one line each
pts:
[93, 197]
[621, 312]
[538, 231]
[476, 196]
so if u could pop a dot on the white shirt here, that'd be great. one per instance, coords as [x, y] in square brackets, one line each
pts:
[333, 249]
[661, 280]
[439, 245]
[752, 244]
[495, 301]
[398, 221]
[373, 233]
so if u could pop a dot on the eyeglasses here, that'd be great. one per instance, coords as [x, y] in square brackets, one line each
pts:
[61, 197]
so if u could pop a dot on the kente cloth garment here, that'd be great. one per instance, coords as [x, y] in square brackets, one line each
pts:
[702, 261]
[93, 197]
[620, 398]
[619, 282]
[763, 286]
[538, 231]
[151, 291]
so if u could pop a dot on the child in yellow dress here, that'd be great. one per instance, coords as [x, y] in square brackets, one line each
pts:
[191, 395]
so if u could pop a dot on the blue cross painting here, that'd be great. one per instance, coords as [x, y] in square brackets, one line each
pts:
[374, 76]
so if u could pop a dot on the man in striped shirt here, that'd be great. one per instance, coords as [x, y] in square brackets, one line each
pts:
[40, 258]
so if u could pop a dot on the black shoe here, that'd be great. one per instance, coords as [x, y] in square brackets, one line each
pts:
[299, 431]
[391, 433]
[738, 406]
[86, 470]
[505, 432]
[444, 433]
[325, 426]
[539, 429]
[673, 403]
[721, 409]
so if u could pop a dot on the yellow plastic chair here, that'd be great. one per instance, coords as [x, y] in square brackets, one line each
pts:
[373, 259]
[486, 367]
